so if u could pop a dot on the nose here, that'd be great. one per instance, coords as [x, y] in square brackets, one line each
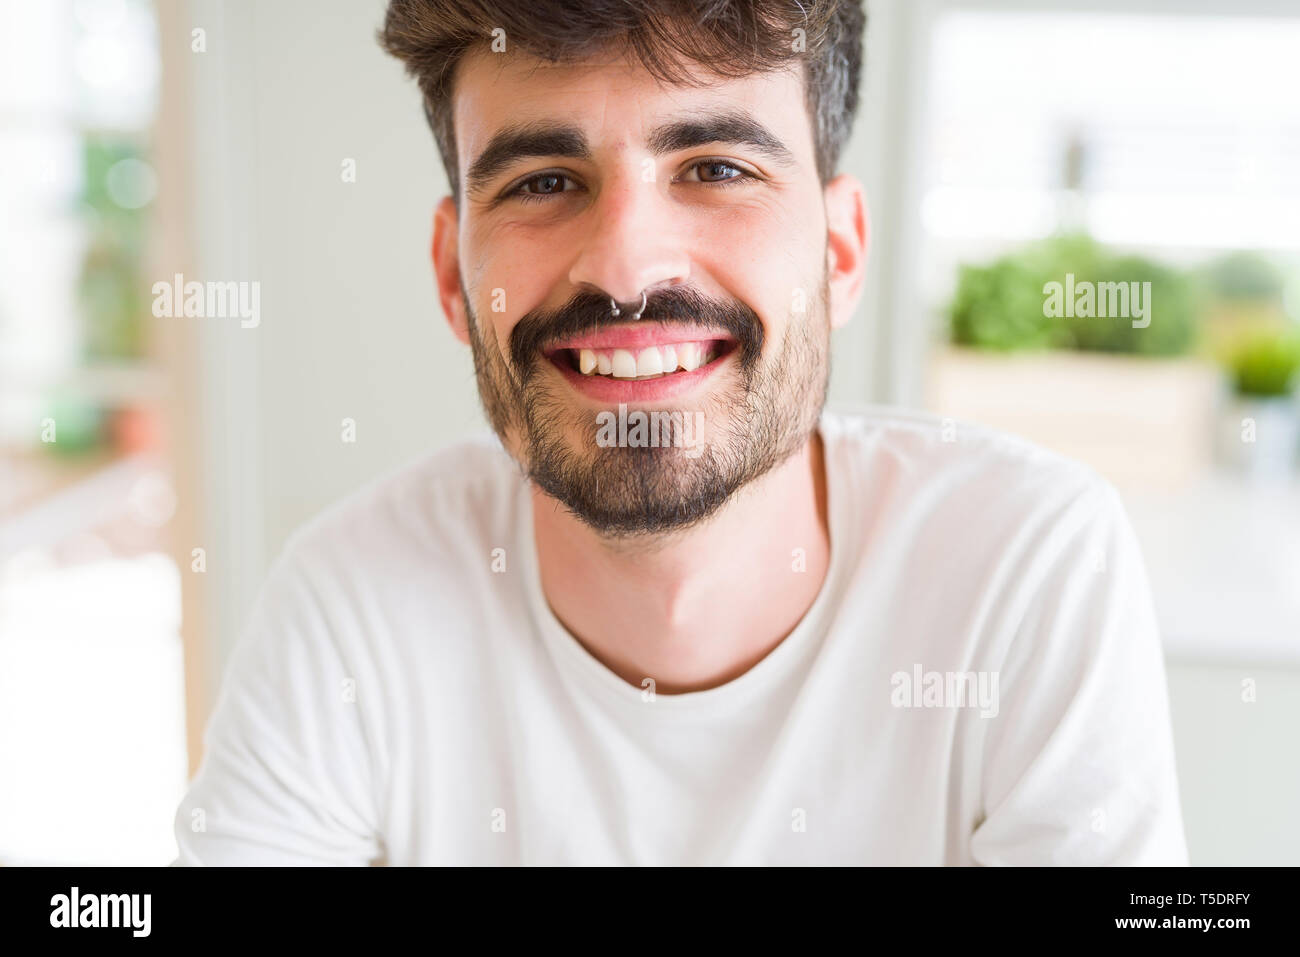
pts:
[632, 246]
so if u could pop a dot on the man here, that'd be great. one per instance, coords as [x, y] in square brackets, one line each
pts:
[673, 612]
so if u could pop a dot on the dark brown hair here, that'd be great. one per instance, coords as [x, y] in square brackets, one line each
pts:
[731, 38]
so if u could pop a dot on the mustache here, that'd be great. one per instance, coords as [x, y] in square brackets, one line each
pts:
[587, 312]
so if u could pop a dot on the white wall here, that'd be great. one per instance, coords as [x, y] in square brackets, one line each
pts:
[350, 326]
[1237, 762]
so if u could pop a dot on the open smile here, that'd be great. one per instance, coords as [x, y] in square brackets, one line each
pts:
[644, 362]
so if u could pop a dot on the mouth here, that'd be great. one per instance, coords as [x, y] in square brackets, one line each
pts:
[639, 365]
[641, 362]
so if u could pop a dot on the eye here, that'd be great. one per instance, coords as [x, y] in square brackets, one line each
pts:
[719, 172]
[537, 188]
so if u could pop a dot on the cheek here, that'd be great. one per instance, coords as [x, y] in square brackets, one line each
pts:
[771, 261]
[509, 281]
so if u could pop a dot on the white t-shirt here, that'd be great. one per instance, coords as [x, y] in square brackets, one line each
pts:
[979, 681]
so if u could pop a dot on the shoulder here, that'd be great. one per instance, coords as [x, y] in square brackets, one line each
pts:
[358, 584]
[429, 516]
[936, 443]
[959, 485]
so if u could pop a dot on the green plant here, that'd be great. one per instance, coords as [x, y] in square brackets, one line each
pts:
[75, 424]
[1242, 277]
[1001, 305]
[111, 287]
[1264, 363]
[1169, 299]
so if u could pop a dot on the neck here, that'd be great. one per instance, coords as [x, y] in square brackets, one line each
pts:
[701, 607]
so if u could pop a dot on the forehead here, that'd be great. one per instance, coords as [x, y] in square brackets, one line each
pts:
[614, 98]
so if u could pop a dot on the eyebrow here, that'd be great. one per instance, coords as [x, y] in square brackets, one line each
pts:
[540, 138]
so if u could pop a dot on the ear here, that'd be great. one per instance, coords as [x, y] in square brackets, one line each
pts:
[446, 268]
[847, 239]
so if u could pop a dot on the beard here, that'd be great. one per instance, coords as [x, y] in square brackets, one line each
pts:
[757, 414]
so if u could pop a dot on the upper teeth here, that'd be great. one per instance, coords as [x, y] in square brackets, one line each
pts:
[655, 360]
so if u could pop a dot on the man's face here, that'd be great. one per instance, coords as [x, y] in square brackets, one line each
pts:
[705, 198]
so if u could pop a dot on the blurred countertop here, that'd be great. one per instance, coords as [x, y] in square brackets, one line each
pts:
[1223, 556]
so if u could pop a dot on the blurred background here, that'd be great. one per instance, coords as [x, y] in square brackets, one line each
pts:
[152, 466]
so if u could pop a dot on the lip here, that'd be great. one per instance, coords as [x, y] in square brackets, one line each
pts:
[640, 335]
[607, 389]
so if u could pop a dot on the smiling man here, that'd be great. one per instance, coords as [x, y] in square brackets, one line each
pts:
[733, 628]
